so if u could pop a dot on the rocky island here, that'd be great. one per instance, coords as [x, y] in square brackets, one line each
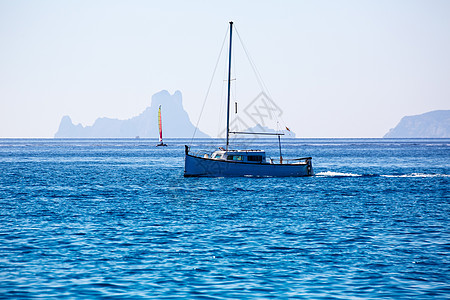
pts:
[176, 122]
[433, 124]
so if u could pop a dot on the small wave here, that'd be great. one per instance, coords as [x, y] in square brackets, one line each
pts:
[337, 174]
[412, 175]
[416, 175]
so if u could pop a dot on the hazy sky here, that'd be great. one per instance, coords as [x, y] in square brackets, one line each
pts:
[335, 68]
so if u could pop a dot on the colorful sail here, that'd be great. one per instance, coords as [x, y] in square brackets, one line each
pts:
[160, 124]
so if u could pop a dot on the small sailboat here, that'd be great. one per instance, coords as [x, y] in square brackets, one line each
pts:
[161, 143]
[227, 162]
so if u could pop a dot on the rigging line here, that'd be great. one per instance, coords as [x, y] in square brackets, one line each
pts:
[220, 109]
[253, 65]
[234, 87]
[261, 82]
[258, 76]
[223, 97]
[209, 87]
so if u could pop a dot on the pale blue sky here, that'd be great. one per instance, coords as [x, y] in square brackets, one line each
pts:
[336, 68]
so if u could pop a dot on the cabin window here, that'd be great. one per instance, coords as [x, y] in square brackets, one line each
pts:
[257, 158]
[235, 157]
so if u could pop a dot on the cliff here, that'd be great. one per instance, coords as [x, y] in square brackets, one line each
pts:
[434, 124]
[176, 122]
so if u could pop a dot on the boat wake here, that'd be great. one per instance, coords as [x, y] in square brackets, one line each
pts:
[412, 175]
[337, 174]
[419, 175]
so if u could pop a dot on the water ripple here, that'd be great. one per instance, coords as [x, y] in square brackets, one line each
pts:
[116, 219]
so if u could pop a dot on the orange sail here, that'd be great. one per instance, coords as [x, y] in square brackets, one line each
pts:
[160, 124]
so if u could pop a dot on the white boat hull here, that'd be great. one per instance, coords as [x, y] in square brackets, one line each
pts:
[198, 166]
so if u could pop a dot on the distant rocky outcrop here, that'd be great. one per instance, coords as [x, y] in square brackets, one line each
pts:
[433, 124]
[175, 119]
[264, 129]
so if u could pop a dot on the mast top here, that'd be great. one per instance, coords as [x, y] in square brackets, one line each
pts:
[231, 22]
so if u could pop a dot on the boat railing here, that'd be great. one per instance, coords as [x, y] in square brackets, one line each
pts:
[200, 153]
[289, 161]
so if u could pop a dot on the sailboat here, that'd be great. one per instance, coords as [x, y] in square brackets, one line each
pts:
[229, 162]
[161, 143]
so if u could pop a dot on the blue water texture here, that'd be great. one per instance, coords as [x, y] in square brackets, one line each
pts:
[115, 218]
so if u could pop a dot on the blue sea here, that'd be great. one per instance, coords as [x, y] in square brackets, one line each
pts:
[115, 218]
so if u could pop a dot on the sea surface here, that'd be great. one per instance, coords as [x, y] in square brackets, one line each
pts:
[115, 218]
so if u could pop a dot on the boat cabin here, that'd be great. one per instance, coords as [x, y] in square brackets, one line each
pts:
[249, 156]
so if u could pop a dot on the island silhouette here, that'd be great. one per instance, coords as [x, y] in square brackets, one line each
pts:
[433, 124]
[176, 122]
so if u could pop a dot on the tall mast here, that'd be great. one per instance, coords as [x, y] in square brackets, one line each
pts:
[229, 85]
